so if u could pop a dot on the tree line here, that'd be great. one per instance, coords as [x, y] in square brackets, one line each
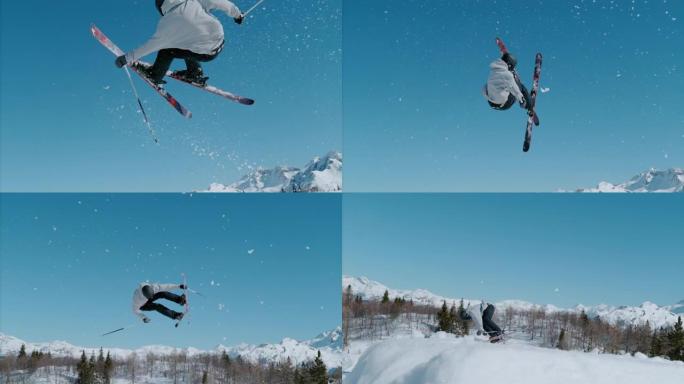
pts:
[378, 318]
[176, 367]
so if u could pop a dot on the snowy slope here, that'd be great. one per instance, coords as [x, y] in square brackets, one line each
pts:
[445, 359]
[322, 174]
[669, 180]
[329, 343]
[657, 316]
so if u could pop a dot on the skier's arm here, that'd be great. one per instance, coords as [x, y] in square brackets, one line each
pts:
[140, 314]
[224, 5]
[155, 43]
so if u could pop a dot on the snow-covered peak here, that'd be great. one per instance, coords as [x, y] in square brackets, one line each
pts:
[329, 343]
[260, 180]
[669, 180]
[322, 174]
[657, 316]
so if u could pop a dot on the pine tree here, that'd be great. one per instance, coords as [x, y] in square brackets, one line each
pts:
[22, 352]
[205, 378]
[656, 345]
[385, 297]
[85, 373]
[444, 318]
[675, 340]
[461, 322]
[108, 367]
[318, 371]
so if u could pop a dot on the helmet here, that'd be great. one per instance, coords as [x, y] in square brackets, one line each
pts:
[510, 60]
[148, 292]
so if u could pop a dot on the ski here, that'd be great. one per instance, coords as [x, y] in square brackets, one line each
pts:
[531, 121]
[104, 40]
[209, 88]
[186, 306]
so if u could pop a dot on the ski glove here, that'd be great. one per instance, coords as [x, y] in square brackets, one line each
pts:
[238, 20]
[120, 61]
[146, 320]
[183, 286]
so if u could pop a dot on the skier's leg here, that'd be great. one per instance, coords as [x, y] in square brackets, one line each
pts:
[151, 306]
[161, 64]
[169, 296]
[526, 96]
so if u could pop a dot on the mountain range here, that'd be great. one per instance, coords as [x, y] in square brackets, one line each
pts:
[322, 174]
[329, 343]
[652, 180]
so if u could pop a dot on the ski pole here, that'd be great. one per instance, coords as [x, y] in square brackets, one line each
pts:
[120, 329]
[253, 7]
[147, 121]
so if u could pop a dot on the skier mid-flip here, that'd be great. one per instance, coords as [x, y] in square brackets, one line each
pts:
[187, 30]
[481, 315]
[146, 294]
[504, 87]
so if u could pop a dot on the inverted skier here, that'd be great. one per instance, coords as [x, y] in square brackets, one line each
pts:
[503, 86]
[481, 315]
[187, 30]
[146, 294]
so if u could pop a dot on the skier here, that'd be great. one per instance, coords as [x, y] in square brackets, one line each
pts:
[146, 294]
[482, 315]
[503, 86]
[187, 30]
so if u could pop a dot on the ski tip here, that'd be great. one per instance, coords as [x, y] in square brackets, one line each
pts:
[245, 101]
[526, 147]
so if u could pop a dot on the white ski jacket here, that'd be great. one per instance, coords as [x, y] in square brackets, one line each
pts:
[189, 25]
[139, 299]
[501, 83]
[475, 313]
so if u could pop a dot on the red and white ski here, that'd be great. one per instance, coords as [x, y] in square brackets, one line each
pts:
[533, 101]
[104, 40]
[209, 88]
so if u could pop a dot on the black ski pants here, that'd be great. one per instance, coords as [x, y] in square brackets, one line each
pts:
[488, 324]
[192, 61]
[152, 306]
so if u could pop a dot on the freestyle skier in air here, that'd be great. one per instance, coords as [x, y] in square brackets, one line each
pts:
[503, 86]
[187, 30]
[481, 315]
[146, 294]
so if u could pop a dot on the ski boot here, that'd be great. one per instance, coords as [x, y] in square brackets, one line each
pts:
[194, 77]
[145, 71]
[183, 300]
[178, 316]
[495, 339]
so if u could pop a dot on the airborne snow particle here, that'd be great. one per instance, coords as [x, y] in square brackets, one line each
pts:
[557, 290]
[221, 307]
[250, 251]
[307, 248]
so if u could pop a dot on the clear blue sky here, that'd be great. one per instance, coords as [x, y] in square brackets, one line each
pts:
[415, 118]
[611, 249]
[70, 264]
[69, 120]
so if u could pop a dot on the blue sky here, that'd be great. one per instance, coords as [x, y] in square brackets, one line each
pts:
[70, 264]
[415, 119]
[611, 249]
[69, 120]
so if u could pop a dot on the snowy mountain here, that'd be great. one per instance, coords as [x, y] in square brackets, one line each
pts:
[657, 316]
[443, 358]
[329, 343]
[669, 180]
[322, 174]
